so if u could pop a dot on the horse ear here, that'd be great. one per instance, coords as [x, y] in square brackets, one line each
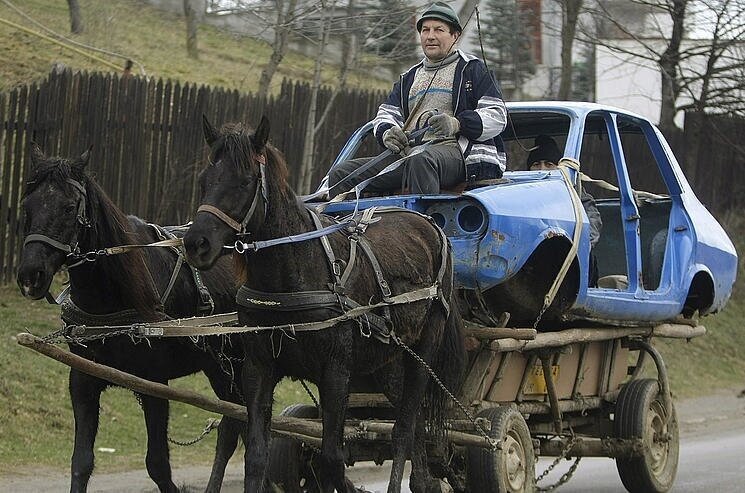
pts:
[37, 155]
[82, 161]
[210, 134]
[261, 136]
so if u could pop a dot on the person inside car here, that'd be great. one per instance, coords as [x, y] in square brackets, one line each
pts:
[544, 156]
[454, 94]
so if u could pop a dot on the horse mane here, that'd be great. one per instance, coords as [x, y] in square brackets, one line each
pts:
[109, 227]
[235, 141]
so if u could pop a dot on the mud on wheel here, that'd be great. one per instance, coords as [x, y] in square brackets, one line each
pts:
[511, 467]
[291, 464]
[640, 413]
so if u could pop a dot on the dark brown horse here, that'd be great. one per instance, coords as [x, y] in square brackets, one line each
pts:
[66, 210]
[247, 178]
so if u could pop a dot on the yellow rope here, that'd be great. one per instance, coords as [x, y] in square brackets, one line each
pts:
[52, 40]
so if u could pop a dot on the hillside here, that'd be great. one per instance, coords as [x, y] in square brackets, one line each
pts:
[154, 38]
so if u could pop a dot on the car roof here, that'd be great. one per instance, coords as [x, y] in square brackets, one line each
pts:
[571, 107]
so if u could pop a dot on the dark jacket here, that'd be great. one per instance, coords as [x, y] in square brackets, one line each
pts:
[478, 106]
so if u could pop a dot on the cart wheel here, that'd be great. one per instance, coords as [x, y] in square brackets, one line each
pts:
[510, 469]
[291, 465]
[640, 413]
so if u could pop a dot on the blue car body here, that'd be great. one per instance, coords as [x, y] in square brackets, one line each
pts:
[497, 230]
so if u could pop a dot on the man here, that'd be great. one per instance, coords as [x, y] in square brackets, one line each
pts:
[544, 156]
[453, 94]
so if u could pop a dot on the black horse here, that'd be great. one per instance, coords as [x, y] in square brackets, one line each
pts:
[66, 210]
[247, 178]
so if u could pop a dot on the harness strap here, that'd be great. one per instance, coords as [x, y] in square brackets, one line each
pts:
[206, 303]
[40, 238]
[333, 265]
[221, 215]
[164, 330]
[311, 300]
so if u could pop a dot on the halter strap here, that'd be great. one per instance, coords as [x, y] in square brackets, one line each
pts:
[81, 217]
[259, 194]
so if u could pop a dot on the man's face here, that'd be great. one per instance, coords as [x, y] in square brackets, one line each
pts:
[542, 165]
[436, 39]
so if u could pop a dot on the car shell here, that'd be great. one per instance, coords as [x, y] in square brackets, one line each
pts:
[495, 230]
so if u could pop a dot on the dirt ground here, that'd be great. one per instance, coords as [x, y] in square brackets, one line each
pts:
[713, 414]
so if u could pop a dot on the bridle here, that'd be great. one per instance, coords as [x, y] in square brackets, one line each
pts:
[82, 219]
[251, 218]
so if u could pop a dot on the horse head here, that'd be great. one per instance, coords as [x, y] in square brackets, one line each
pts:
[55, 212]
[233, 188]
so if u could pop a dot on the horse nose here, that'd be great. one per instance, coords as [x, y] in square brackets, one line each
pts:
[30, 281]
[197, 248]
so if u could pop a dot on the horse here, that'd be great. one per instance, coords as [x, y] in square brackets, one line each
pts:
[66, 211]
[247, 178]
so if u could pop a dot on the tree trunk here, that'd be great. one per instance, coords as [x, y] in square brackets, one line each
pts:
[570, 11]
[76, 18]
[282, 31]
[191, 29]
[669, 66]
[306, 167]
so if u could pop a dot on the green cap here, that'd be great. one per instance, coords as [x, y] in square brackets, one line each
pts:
[442, 12]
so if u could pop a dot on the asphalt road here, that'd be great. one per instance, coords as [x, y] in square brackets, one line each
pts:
[712, 460]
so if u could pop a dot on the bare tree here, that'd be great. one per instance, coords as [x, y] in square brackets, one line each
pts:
[701, 74]
[76, 17]
[282, 29]
[191, 28]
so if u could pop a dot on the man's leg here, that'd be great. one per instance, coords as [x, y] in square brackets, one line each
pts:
[389, 182]
[437, 167]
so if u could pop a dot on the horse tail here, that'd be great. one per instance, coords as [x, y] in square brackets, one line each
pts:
[449, 365]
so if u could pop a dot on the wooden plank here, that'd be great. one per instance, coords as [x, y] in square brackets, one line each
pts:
[8, 109]
[19, 153]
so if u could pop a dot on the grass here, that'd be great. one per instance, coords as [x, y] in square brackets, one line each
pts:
[155, 38]
[36, 423]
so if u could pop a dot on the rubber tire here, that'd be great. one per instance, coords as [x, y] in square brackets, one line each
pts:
[640, 413]
[489, 471]
[290, 464]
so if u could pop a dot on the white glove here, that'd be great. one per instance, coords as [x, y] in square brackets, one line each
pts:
[444, 125]
[395, 139]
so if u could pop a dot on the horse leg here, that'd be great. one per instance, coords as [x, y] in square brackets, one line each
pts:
[227, 431]
[421, 480]
[157, 458]
[334, 393]
[414, 387]
[85, 393]
[258, 389]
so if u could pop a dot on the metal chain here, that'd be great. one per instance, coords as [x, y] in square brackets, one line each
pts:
[494, 443]
[212, 423]
[540, 315]
[567, 475]
[312, 397]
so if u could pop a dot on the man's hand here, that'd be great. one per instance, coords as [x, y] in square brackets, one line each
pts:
[444, 125]
[395, 139]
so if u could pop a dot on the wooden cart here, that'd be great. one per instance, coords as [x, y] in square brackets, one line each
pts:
[568, 394]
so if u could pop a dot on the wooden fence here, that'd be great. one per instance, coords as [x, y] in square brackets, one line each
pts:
[148, 148]
[147, 138]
